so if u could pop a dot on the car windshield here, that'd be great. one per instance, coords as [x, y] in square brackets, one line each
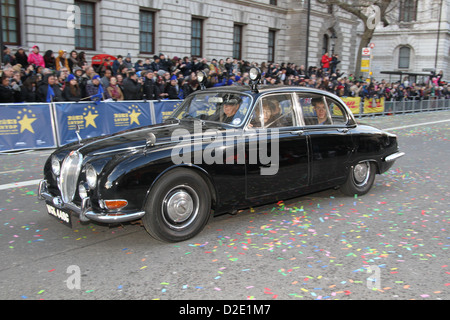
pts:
[223, 107]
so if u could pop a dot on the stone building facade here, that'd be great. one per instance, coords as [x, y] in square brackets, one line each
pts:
[417, 40]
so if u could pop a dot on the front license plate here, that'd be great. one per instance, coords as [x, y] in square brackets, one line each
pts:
[59, 214]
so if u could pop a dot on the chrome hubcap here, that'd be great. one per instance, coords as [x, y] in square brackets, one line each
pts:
[361, 173]
[180, 207]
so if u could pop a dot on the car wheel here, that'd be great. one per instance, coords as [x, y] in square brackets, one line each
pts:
[360, 179]
[178, 206]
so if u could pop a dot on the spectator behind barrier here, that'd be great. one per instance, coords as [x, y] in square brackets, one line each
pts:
[156, 79]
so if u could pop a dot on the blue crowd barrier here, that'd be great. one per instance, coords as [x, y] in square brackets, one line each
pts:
[164, 108]
[99, 119]
[26, 126]
[50, 125]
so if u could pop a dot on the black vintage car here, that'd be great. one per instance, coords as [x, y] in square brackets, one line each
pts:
[223, 149]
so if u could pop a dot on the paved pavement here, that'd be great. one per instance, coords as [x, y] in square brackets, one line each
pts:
[391, 244]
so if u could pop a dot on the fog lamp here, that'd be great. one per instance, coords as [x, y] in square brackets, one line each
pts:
[115, 204]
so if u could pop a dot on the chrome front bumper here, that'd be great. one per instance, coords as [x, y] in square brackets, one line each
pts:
[85, 212]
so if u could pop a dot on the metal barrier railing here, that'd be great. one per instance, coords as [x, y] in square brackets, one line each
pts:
[408, 106]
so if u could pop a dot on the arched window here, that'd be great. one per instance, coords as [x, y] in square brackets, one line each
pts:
[404, 56]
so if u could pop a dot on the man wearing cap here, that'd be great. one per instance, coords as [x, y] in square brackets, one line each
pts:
[155, 65]
[172, 88]
[127, 62]
[164, 63]
[72, 91]
[93, 86]
[230, 108]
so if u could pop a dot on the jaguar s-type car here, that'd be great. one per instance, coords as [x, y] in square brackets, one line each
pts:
[224, 149]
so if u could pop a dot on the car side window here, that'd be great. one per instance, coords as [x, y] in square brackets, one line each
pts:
[273, 111]
[319, 110]
[336, 112]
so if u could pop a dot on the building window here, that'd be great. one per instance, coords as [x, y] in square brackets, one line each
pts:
[237, 42]
[85, 36]
[11, 22]
[325, 45]
[408, 10]
[196, 37]
[147, 31]
[404, 57]
[271, 53]
[273, 2]
[330, 9]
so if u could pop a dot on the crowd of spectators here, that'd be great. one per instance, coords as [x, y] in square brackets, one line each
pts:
[63, 76]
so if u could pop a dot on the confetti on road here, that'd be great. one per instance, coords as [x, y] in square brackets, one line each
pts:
[323, 246]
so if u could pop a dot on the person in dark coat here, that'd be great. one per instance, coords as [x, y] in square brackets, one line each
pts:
[72, 91]
[29, 89]
[50, 60]
[191, 86]
[6, 92]
[43, 94]
[172, 88]
[149, 87]
[132, 87]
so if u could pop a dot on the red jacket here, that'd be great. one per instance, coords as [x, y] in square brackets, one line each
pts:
[37, 59]
[326, 61]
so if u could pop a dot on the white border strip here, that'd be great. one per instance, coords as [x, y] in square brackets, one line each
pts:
[20, 184]
[416, 125]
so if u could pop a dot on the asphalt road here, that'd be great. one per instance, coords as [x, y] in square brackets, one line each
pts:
[393, 243]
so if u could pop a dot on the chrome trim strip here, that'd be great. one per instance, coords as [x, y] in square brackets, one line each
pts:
[119, 150]
[394, 156]
[70, 170]
[114, 219]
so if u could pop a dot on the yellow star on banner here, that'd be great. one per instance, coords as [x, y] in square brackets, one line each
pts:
[90, 119]
[134, 117]
[25, 124]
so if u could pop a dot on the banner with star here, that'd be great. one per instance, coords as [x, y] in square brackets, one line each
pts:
[99, 119]
[26, 126]
[128, 115]
[89, 117]
[164, 109]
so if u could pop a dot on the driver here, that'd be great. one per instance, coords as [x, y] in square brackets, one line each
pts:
[230, 108]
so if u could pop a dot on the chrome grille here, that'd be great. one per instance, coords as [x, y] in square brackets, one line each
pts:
[70, 171]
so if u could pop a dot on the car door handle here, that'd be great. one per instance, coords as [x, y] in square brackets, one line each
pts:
[297, 132]
[344, 130]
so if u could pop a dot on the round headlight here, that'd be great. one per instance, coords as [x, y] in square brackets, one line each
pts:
[254, 74]
[56, 166]
[91, 177]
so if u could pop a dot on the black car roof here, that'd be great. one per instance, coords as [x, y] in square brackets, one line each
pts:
[267, 89]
